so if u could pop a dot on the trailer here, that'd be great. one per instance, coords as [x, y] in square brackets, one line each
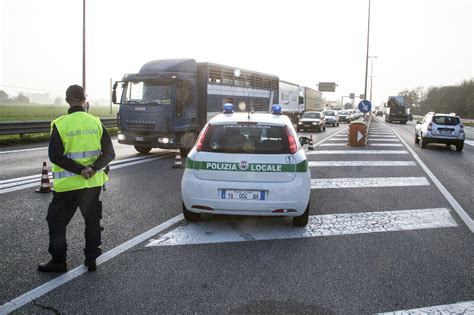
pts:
[167, 102]
[310, 100]
[396, 110]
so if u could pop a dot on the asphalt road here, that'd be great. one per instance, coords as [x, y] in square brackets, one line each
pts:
[410, 250]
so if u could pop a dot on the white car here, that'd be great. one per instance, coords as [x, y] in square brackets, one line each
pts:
[440, 128]
[247, 164]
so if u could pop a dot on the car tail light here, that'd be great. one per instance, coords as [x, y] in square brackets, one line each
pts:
[462, 128]
[291, 141]
[200, 141]
[430, 125]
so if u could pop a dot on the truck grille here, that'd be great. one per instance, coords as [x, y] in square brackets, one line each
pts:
[141, 124]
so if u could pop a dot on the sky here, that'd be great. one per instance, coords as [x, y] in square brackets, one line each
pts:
[417, 42]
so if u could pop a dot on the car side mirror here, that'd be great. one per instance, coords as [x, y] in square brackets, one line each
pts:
[304, 140]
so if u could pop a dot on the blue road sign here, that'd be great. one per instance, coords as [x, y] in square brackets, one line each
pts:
[365, 106]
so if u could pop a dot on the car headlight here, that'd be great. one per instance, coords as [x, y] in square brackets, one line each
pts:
[316, 123]
[121, 136]
[300, 123]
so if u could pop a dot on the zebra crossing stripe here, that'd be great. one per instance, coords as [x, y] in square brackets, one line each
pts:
[360, 163]
[456, 308]
[368, 152]
[357, 182]
[252, 229]
[380, 139]
[385, 145]
[470, 142]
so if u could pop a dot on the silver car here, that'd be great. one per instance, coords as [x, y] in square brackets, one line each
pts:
[332, 117]
[440, 128]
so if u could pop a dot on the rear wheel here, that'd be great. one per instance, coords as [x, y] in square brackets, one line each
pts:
[144, 149]
[302, 220]
[416, 139]
[460, 146]
[423, 142]
[190, 216]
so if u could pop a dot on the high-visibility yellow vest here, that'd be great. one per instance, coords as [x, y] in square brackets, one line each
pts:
[80, 133]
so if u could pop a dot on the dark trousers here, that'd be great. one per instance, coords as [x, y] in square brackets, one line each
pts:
[60, 212]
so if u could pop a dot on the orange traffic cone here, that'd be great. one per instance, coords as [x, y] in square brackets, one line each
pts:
[45, 186]
[177, 160]
[310, 147]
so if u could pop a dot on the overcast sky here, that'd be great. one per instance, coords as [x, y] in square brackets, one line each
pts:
[418, 42]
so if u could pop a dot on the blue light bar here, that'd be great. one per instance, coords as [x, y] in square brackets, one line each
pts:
[276, 109]
[228, 108]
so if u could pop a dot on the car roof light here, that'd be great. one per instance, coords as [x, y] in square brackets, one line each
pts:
[228, 108]
[276, 109]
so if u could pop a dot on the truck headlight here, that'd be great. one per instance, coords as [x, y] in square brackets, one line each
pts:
[121, 136]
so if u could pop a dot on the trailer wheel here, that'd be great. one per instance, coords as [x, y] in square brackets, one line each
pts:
[144, 149]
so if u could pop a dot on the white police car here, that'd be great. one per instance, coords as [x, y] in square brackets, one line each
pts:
[247, 164]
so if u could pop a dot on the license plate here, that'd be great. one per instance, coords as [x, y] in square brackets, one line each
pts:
[139, 139]
[243, 194]
[445, 132]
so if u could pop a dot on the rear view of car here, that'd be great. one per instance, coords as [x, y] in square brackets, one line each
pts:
[440, 128]
[247, 166]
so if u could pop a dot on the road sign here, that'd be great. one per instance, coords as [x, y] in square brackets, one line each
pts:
[365, 106]
[362, 96]
[327, 86]
[351, 96]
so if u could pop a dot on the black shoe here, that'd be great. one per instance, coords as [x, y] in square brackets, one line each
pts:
[53, 266]
[90, 264]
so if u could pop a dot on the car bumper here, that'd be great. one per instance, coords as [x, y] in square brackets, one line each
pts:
[207, 193]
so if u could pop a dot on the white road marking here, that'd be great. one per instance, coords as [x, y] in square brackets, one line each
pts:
[327, 138]
[380, 133]
[385, 145]
[74, 273]
[360, 163]
[252, 229]
[337, 139]
[382, 136]
[357, 152]
[470, 142]
[358, 182]
[23, 150]
[384, 139]
[456, 308]
[456, 206]
[333, 144]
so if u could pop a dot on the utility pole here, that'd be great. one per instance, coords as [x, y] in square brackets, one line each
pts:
[84, 45]
[367, 54]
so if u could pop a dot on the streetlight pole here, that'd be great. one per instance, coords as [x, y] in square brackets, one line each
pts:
[84, 45]
[367, 54]
[371, 74]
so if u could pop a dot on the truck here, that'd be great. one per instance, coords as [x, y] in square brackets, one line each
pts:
[396, 110]
[166, 104]
[288, 98]
[310, 100]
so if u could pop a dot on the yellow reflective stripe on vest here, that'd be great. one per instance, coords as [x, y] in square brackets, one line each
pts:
[81, 155]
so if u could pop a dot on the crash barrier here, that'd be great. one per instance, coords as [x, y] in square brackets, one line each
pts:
[39, 126]
[45, 186]
[357, 134]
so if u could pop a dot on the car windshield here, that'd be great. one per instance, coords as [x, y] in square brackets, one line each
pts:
[240, 138]
[147, 93]
[343, 113]
[329, 113]
[446, 120]
[311, 115]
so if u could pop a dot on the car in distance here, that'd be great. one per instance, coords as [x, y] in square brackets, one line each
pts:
[312, 121]
[247, 164]
[332, 117]
[440, 128]
[345, 116]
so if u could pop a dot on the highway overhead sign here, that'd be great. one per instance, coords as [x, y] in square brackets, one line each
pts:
[365, 106]
[327, 86]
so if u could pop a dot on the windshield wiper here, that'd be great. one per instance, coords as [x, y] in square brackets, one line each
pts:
[132, 102]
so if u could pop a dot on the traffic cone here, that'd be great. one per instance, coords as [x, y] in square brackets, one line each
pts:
[177, 160]
[45, 186]
[310, 147]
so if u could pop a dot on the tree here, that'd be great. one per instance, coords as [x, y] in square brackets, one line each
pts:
[22, 99]
[58, 101]
[3, 97]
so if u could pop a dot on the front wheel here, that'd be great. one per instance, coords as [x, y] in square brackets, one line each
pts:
[302, 220]
[144, 149]
[190, 216]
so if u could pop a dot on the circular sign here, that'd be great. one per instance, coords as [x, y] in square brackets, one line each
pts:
[365, 106]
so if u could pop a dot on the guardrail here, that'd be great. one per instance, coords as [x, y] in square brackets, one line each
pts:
[39, 126]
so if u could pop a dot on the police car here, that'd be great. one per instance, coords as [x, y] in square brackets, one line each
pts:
[247, 164]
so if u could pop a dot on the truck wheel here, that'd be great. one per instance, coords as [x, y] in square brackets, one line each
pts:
[403, 122]
[144, 149]
[190, 216]
[186, 143]
[416, 139]
[302, 220]
[460, 146]
[324, 129]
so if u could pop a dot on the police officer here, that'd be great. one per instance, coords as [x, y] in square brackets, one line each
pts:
[79, 149]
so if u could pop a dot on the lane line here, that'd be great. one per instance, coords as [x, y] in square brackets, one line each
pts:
[453, 202]
[456, 308]
[252, 229]
[74, 273]
[357, 152]
[360, 163]
[470, 142]
[358, 182]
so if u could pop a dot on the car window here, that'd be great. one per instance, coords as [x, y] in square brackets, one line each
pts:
[311, 115]
[446, 120]
[241, 138]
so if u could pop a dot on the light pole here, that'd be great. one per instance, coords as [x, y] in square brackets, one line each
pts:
[84, 45]
[367, 54]
[371, 74]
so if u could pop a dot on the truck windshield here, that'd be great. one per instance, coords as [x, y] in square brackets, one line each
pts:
[148, 93]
